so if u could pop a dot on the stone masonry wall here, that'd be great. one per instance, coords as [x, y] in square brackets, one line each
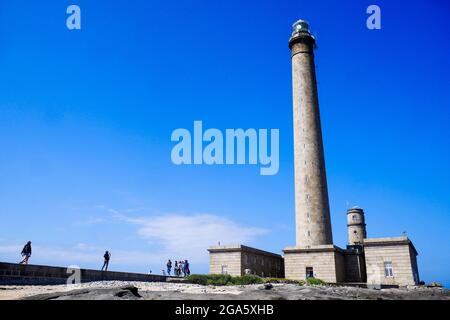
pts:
[262, 265]
[16, 274]
[234, 260]
[328, 265]
[399, 255]
[231, 261]
[354, 267]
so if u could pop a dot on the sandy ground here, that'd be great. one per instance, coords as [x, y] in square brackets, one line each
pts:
[117, 290]
[19, 292]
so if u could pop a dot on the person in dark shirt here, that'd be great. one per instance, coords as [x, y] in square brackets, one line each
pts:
[187, 270]
[26, 253]
[107, 257]
[169, 267]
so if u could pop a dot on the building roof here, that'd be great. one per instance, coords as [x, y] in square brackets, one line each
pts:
[389, 242]
[240, 247]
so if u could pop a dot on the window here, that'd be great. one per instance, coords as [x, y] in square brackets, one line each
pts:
[355, 232]
[354, 218]
[246, 259]
[309, 272]
[224, 269]
[388, 271]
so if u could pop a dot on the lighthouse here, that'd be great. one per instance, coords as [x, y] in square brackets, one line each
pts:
[312, 211]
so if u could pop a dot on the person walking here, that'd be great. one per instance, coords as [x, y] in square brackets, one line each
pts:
[107, 257]
[169, 267]
[26, 253]
[187, 271]
[175, 269]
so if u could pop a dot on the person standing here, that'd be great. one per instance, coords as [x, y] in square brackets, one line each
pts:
[169, 267]
[184, 268]
[187, 271]
[26, 253]
[181, 267]
[107, 257]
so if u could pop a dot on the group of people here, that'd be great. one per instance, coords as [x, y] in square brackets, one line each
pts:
[181, 268]
[26, 254]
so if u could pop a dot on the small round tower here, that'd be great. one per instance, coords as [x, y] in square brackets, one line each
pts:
[356, 226]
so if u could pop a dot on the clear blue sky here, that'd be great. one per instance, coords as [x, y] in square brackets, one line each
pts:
[86, 118]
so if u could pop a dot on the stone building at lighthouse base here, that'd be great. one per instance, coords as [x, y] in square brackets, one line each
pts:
[377, 261]
[371, 261]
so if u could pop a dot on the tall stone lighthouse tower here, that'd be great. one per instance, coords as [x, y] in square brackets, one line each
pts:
[313, 225]
[314, 254]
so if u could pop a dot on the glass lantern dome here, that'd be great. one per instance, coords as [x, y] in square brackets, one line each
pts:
[300, 26]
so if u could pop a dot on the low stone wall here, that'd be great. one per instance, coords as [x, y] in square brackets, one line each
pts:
[17, 274]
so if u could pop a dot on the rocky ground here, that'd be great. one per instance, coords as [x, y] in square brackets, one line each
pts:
[116, 290]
